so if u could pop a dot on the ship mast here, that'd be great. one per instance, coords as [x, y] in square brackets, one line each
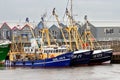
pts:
[89, 38]
[71, 11]
[56, 16]
[45, 31]
[33, 35]
[72, 30]
[88, 34]
[16, 47]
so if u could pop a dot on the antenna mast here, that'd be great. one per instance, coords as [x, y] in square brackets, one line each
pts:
[71, 9]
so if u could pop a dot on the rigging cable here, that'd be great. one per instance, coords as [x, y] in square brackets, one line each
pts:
[65, 9]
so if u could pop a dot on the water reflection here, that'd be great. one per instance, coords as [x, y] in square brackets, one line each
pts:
[99, 72]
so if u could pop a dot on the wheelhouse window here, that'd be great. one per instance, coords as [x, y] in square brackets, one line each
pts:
[26, 50]
[31, 50]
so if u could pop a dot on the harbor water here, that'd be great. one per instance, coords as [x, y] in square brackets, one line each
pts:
[97, 72]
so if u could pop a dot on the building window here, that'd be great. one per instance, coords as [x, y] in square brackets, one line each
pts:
[29, 35]
[24, 35]
[5, 33]
[54, 33]
[15, 33]
[108, 30]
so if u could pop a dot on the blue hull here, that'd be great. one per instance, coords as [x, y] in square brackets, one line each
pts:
[101, 57]
[62, 60]
[81, 58]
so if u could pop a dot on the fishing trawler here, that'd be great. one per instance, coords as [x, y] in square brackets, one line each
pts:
[45, 55]
[4, 49]
[48, 57]
[80, 56]
[99, 54]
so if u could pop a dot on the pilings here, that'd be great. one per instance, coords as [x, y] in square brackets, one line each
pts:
[115, 58]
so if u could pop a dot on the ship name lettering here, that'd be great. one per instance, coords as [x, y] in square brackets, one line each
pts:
[62, 58]
[79, 56]
[55, 59]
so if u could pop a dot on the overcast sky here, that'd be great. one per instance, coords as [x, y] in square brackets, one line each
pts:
[18, 10]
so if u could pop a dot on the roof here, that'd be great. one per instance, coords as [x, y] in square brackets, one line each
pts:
[40, 25]
[18, 25]
[106, 23]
